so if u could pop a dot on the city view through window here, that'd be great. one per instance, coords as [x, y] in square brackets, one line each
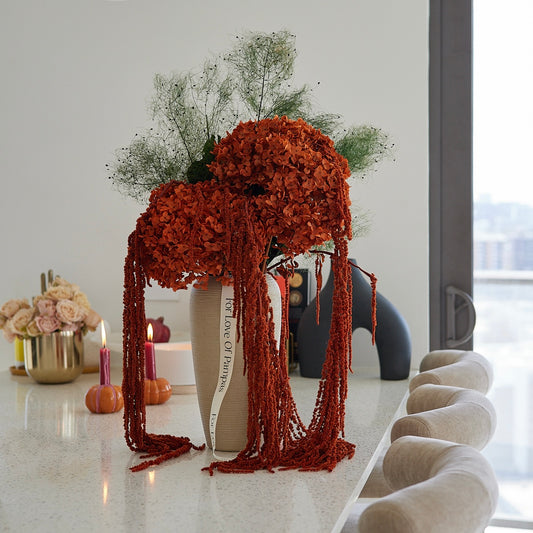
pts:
[503, 296]
[503, 240]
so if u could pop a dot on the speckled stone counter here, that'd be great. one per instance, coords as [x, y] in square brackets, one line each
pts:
[63, 468]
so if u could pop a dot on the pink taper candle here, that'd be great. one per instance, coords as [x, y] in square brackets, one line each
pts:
[149, 354]
[104, 360]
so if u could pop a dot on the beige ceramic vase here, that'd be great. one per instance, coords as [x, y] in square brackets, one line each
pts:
[205, 314]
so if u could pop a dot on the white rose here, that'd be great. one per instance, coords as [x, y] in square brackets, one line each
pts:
[20, 321]
[59, 293]
[81, 300]
[32, 329]
[92, 319]
[8, 334]
[70, 312]
[12, 306]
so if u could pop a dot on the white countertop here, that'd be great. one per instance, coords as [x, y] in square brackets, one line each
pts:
[63, 468]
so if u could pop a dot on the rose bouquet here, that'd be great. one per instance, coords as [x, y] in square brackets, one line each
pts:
[62, 307]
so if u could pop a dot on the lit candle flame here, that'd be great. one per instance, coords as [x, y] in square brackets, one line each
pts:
[151, 477]
[150, 333]
[102, 330]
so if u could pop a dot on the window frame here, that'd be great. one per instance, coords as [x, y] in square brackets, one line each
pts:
[450, 163]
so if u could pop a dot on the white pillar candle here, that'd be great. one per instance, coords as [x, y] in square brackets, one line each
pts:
[174, 363]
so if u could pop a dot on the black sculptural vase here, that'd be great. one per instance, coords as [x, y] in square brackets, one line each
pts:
[393, 339]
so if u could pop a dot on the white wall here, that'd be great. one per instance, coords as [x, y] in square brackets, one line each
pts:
[76, 78]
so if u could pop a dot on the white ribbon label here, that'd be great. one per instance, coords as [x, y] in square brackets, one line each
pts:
[227, 339]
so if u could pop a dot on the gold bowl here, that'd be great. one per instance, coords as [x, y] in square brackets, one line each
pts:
[54, 358]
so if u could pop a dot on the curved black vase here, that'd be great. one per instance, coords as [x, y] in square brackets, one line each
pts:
[393, 340]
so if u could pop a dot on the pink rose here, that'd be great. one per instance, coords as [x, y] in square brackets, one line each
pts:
[46, 307]
[47, 324]
[70, 312]
[71, 326]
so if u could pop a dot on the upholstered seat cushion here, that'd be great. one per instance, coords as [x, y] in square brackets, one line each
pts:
[440, 487]
[455, 414]
[456, 368]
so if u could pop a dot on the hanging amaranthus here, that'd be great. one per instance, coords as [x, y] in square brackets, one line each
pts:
[276, 181]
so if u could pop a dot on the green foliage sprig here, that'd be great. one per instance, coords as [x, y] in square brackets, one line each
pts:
[192, 110]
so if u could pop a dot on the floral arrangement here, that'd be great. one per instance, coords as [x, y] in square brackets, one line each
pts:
[279, 184]
[245, 204]
[62, 307]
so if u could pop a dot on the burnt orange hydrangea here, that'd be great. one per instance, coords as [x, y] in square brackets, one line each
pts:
[297, 180]
[183, 233]
[275, 180]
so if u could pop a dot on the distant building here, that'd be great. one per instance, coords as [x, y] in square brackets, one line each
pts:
[493, 252]
[523, 253]
[503, 236]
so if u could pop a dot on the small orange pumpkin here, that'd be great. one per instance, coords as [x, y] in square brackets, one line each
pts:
[104, 399]
[156, 391]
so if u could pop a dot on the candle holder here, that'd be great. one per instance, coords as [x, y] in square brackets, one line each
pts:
[156, 390]
[104, 398]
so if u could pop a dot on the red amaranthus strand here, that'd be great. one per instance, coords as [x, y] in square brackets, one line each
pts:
[373, 303]
[163, 447]
[319, 260]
